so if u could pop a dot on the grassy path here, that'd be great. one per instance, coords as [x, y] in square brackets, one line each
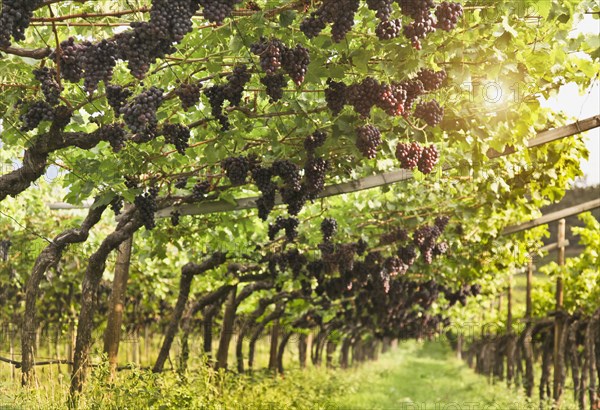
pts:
[426, 377]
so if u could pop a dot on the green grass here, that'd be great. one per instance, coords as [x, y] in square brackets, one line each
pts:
[423, 376]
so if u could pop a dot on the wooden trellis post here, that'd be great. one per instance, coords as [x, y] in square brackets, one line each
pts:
[559, 360]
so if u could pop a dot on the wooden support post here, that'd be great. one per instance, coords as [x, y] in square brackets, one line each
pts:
[226, 330]
[112, 334]
[558, 354]
[528, 305]
[510, 348]
[274, 344]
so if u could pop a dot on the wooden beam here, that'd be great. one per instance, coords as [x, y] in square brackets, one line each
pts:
[553, 216]
[553, 246]
[577, 127]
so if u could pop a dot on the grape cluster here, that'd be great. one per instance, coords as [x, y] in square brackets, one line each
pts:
[50, 87]
[295, 200]
[368, 138]
[423, 23]
[178, 135]
[70, 67]
[289, 172]
[415, 8]
[116, 96]
[396, 235]
[430, 112]
[389, 29]
[235, 84]
[141, 47]
[335, 95]
[117, 204]
[290, 225]
[407, 254]
[275, 84]
[236, 169]
[140, 113]
[265, 204]
[115, 134]
[273, 55]
[231, 91]
[270, 54]
[392, 99]
[200, 189]
[414, 89]
[447, 15]
[409, 154]
[295, 62]
[382, 8]
[441, 222]
[216, 11]
[429, 159]
[97, 62]
[363, 96]
[146, 204]
[262, 178]
[329, 227]
[35, 113]
[315, 170]
[216, 98]
[181, 183]
[131, 182]
[338, 13]
[189, 94]
[395, 266]
[432, 80]
[252, 5]
[14, 19]
[175, 215]
[314, 141]
[172, 18]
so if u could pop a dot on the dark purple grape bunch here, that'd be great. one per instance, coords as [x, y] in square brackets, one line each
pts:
[117, 96]
[329, 227]
[289, 173]
[216, 11]
[200, 189]
[275, 84]
[314, 141]
[97, 61]
[368, 138]
[270, 53]
[429, 159]
[295, 62]
[117, 204]
[414, 89]
[409, 154]
[178, 135]
[335, 95]
[395, 235]
[189, 94]
[338, 13]
[69, 61]
[315, 171]
[140, 113]
[175, 215]
[147, 207]
[430, 112]
[389, 29]
[382, 8]
[235, 84]
[34, 113]
[447, 15]
[236, 169]
[432, 80]
[115, 134]
[50, 86]
[289, 225]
